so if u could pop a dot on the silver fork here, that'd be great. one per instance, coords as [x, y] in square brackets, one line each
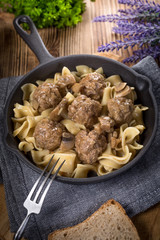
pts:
[34, 205]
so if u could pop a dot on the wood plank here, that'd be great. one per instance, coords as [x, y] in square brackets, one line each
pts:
[5, 233]
[148, 222]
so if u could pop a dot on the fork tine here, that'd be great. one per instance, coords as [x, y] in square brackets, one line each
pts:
[45, 180]
[55, 174]
[38, 180]
[49, 184]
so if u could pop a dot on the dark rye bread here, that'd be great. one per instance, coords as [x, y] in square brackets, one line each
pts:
[109, 222]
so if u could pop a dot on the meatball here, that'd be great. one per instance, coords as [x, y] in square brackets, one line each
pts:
[92, 85]
[84, 110]
[106, 124]
[66, 81]
[89, 146]
[120, 109]
[46, 96]
[48, 134]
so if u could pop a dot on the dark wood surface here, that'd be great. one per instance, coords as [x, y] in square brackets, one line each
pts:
[17, 59]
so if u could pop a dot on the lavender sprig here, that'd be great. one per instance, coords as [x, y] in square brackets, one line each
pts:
[129, 15]
[142, 53]
[145, 4]
[139, 26]
[128, 28]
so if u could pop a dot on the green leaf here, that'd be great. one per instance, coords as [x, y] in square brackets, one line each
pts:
[46, 13]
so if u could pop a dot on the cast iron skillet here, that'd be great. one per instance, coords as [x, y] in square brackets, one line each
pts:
[50, 65]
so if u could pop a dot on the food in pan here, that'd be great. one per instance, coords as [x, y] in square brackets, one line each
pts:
[84, 117]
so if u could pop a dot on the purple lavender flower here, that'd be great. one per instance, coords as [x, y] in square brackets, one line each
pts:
[142, 53]
[139, 26]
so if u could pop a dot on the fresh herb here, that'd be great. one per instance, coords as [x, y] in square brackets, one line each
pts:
[46, 13]
[139, 25]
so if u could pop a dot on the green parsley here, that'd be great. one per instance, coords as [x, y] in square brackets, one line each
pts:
[46, 13]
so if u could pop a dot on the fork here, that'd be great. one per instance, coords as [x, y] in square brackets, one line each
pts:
[34, 200]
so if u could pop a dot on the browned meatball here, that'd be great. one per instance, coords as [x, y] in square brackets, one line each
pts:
[92, 85]
[48, 134]
[106, 124]
[84, 110]
[89, 146]
[46, 96]
[120, 109]
[66, 81]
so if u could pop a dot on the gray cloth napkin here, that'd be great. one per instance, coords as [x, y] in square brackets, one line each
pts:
[66, 204]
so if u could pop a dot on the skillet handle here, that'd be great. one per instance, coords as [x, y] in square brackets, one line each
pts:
[33, 39]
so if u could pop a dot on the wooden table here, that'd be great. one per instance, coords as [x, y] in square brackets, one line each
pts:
[17, 59]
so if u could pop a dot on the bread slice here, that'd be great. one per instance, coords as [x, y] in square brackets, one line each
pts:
[109, 222]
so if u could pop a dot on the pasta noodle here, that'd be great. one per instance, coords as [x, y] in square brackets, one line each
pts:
[43, 159]
[114, 79]
[123, 141]
[81, 170]
[108, 93]
[72, 127]
[25, 146]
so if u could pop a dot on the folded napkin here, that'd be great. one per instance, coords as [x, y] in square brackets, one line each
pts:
[66, 204]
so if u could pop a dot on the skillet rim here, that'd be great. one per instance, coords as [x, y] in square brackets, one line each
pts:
[81, 180]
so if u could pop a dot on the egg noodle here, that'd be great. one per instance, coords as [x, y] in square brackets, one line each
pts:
[26, 118]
